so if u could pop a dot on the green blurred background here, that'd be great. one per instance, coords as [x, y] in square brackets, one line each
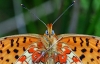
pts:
[82, 18]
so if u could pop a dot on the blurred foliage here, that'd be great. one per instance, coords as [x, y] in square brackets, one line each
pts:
[88, 17]
[6, 10]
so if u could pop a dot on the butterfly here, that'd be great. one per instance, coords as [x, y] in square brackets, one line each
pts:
[50, 49]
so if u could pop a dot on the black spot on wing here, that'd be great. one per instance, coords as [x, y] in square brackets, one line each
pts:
[8, 51]
[24, 49]
[2, 45]
[15, 50]
[12, 42]
[74, 49]
[87, 42]
[83, 50]
[17, 42]
[0, 51]
[92, 59]
[7, 60]
[16, 56]
[74, 39]
[82, 56]
[98, 51]
[97, 42]
[81, 42]
[1, 58]
[91, 50]
[98, 57]
[24, 40]
[5, 38]
[0, 42]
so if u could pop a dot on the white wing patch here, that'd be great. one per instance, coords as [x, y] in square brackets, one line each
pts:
[26, 58]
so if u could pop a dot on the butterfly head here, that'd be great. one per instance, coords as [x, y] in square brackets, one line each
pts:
[49, 32]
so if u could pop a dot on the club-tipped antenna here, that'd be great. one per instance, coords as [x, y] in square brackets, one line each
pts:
[33, 14]
[63, 12]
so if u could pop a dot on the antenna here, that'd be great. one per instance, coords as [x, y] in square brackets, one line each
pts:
[63, 12]
[33, 14]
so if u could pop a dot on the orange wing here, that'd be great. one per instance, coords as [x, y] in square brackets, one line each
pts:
[12, 47]
[87, 48]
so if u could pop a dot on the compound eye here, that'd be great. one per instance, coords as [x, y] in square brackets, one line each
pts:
[53, 32]
[46, 32]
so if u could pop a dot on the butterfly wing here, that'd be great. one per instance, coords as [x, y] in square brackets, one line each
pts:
[87, 48]
[56, 58]
[12, 47]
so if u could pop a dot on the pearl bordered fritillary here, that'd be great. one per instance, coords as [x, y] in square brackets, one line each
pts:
[50, 48]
